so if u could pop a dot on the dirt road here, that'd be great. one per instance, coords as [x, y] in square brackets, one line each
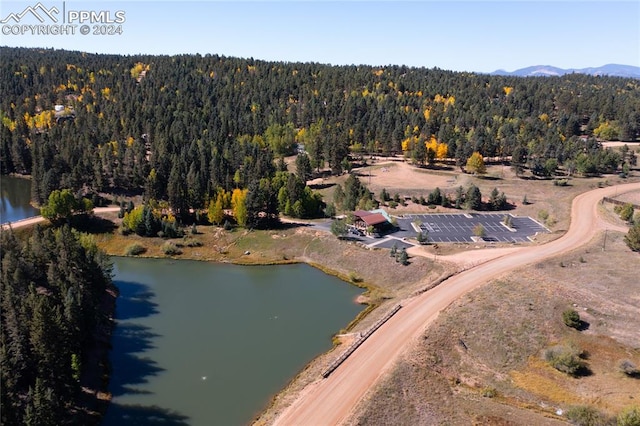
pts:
[37, 219]
[330, 401]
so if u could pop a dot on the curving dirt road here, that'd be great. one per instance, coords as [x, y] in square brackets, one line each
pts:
[37, 219]
[330, 401]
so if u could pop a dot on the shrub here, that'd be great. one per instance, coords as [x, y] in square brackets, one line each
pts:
[626, 212]
[479, 231]
[565, 359]
[191, 242]
[170, 249]
[629, 417]
[543, 215]
[354, 278]
[489, 392]
[632, 239]
[571, 318]
[584, 415]
[134, 250]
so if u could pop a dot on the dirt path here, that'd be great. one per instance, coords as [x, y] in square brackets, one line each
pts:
[37, 219]
[330, 401]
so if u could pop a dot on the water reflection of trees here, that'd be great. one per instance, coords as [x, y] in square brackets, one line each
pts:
[129, 365]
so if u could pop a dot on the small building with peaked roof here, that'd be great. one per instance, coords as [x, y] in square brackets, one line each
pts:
[364, 219]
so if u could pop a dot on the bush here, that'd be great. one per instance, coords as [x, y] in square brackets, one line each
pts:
[629, 417]
[489, 392]
[566, 359]
[134, 250]
[584, 415]
[543, 215]
[571, 318]
[632, 239]
[626, 212]
[170, 249]
[354, 278]
[191, 242]
[479, 231]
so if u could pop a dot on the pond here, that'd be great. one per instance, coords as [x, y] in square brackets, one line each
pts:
[15, 199]
[209, 344]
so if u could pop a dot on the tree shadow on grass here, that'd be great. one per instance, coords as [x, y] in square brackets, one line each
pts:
[92, 224]
[582, 325]
[319, 186]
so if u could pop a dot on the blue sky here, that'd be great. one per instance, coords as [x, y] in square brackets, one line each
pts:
[456, 35]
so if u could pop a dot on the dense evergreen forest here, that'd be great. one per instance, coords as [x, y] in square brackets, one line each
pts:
[52, 286]
[191, 129]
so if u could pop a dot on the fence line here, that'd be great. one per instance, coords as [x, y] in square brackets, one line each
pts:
[618, 202]
[335, 364]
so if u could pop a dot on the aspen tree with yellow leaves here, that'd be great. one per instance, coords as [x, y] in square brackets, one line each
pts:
[239, 206]
[475, 164]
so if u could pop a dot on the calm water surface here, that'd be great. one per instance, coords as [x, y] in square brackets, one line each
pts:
[209, 344]
[14, 202]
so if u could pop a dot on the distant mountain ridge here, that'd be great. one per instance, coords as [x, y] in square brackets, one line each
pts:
[615, 70]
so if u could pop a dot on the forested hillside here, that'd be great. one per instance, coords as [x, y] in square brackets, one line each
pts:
[52, 288]
[188, 128]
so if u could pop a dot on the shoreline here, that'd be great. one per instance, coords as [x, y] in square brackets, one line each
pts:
[370, 305]
[94, 398]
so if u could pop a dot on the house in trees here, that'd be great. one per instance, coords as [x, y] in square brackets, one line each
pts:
[377, 221]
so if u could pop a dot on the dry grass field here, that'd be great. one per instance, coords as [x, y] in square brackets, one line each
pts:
[497, 375]
[481, 363]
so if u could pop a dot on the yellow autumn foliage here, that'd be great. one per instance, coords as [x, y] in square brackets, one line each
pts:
[238, 204]
[137, 69]
[441, 149]
[409, 143]
[507, 90]
[40, 121]
[8, 123]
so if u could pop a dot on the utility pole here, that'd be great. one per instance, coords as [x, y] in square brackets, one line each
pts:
[604, 242]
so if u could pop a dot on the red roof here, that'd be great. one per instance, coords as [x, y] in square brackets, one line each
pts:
[374, 219]
[362, 213]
